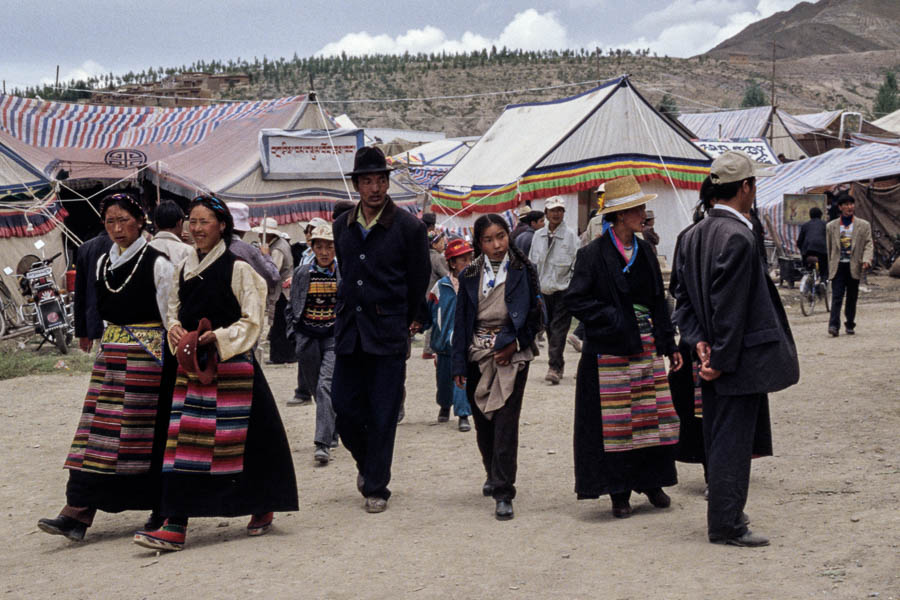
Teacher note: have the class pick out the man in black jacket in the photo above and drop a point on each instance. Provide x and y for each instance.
(88, 324)
(728, 309)
(811, 240)
(382, 255)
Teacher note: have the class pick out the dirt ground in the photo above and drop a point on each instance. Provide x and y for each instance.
(829, 499)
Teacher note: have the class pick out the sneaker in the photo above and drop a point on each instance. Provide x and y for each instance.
(575, 342)
(374, 504)
(553, 376)
(444, 415)
(65, 526)
(298, 401)
(322, 454)
(260, 524)
(464, 424)
(169, 537)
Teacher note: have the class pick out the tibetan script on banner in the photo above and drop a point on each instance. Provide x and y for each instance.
(308, 154)
(757, 149)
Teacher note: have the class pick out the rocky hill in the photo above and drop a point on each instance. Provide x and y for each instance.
(821, 28)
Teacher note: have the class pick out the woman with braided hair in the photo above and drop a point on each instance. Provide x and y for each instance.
(498, 314)
(227, 454)
(115, 459)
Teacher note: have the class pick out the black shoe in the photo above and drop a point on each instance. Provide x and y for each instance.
(833, 331)
(62, 525)
(504, 510)
(621, 510)
(444, 415)
(849, 330)
(487, 489)
(747, 540)
(154, 522)
(464, 424)
(658, 498)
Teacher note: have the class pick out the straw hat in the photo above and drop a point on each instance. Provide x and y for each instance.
(524, 209)
(322, 232)
(623, 193)
(271, 228)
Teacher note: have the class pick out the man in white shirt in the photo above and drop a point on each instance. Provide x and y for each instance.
(169, 220)
(553, 255)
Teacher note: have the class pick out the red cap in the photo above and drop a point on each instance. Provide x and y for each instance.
(457, 247)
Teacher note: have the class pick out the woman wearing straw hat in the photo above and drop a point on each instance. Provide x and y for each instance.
(625, 424)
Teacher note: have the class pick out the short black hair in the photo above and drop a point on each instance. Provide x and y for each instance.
(845, 197)
(167, 215)
(815, 213)
(340, 207)
(710, 191)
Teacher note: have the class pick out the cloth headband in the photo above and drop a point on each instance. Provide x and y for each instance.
(127, 197)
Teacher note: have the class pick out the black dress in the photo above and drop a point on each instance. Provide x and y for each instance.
(266, 482)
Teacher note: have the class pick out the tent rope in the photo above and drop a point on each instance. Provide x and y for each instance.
(333, 149)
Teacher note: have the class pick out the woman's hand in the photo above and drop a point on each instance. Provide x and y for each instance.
(460, 381)
(503, 357)
(175, 334)
(676, 361)
(207, 338)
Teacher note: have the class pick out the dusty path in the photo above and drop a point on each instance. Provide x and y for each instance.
(829, 499)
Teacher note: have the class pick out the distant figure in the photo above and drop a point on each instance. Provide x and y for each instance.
(849, 243)
(650, 235)
(811, 240)
(169, 219)
(522, 241)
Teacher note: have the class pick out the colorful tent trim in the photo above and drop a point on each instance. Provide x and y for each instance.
(86, 126)
(540, 183)
(15, 222)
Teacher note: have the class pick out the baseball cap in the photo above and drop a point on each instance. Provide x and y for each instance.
(554, 202)
(734, 165)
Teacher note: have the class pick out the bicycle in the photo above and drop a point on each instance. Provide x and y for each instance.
(10, 317)
(813, 288)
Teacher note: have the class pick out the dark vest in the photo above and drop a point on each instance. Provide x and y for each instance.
(134, 303)
(209, 295)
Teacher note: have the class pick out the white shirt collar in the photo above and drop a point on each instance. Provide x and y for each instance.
(744, 219)
(117, 257)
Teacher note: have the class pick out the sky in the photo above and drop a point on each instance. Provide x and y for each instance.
(101, 36)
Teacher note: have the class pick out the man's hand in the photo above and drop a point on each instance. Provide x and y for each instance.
(85, 344)
(504, 356)
(264, 248)
(460, 381)
(703, 351)
(866, 266)
(676, 361)
(414, 328)
(709, 374)
(175, 334)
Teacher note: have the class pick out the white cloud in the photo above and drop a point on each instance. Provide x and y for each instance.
(529, 30)
(697, 30)
(88, 68)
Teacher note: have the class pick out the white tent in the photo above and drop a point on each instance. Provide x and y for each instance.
(759, 122)
(568, 147)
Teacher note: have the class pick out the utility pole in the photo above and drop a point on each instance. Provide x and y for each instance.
(57, 78)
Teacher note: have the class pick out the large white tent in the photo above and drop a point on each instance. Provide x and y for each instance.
(568, 147)
(759, 122)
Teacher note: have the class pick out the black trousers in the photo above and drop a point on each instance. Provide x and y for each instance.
(842, 283)
(729, 428)
(498, 437)
(366, 393)
(558, 321)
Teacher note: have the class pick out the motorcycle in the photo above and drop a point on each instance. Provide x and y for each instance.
(45, 307)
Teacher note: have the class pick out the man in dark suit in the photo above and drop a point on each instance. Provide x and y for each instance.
(728, 309)
(88, 324)
(811, 240)
(382, 255)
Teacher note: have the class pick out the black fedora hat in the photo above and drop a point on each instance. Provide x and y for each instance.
(369, 160)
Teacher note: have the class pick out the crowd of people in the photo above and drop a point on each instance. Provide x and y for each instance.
(179, 419)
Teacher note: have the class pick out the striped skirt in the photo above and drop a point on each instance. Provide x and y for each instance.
(115, 432)
(635, 403)
(208, 423)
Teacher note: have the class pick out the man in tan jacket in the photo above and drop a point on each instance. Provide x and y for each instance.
(848, 240)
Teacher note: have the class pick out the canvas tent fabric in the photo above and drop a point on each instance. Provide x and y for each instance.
(228, 165)
(568, 147)
(563, 146)
(758, 122)
(890, 122)
(870, 161)
(109, 142)
(427, 164)
(28, 203)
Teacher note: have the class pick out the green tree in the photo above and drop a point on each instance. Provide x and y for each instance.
(753, 96)
(667, 106)
(887, 100)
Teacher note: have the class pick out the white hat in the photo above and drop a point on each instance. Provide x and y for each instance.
(271, 226)
(240, 212)
(317, 222)
(554, 202)
(735, 165)
(322, 232)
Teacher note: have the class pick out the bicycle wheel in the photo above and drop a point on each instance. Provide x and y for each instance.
(807, 296)
(825, 286)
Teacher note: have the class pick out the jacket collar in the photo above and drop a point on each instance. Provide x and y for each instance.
(731, 214)
(388, 214)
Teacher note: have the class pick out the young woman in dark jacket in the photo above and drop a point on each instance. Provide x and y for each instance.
(498, 315)
(625, 424)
